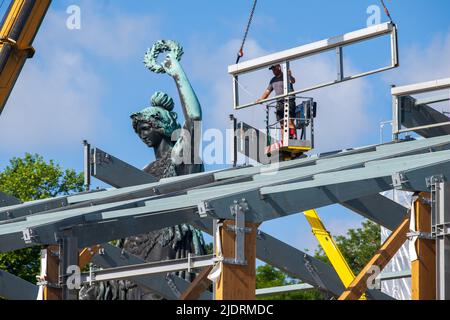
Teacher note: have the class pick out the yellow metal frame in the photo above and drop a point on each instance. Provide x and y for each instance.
(295, 149)
(330, 248)
(21, 48)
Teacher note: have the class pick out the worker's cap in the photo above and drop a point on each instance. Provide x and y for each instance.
(274, 66)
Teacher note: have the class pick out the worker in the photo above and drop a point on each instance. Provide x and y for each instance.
(277, 85)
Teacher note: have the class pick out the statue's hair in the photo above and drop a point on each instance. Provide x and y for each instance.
(160, 115)
(163, 100)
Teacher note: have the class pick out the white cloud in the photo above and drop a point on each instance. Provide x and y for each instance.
(423, 63)
(57, 99)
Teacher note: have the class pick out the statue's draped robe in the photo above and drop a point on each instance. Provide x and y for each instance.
(169, 243)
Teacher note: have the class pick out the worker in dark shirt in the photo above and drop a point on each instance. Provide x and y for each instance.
(277, 85)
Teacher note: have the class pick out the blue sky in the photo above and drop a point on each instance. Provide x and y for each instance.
(84, 84)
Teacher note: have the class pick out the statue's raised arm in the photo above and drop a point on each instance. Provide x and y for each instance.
(191, 106)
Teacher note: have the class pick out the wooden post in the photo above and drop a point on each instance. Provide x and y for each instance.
(392, 244)
(198, 286)
(423, 270)
(52, 274)
(237, 282)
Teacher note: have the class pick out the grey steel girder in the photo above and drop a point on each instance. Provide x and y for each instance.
(371, 206)
(271, 202)
(116, 172)
(113, 257)
(306, 168)
(267, 200)
(15, 288)
(7, 200)
(414, 115)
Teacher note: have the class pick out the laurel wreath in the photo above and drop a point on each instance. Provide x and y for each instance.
(161, 46)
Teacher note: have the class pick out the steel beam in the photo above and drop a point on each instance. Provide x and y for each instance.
(116, 172)
(307, 167)
(17, 211)
(283, 289)
(150, 268)
(371, 206)
(15, 288)
(312, 48)
(136, 216)
(113, 257)
(419, 117)
(422, 87)
(7, 200)
(441, 227)
(273, 202)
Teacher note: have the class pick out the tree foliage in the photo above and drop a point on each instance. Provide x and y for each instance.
(358, 246)
(32, 178)
(268, 277)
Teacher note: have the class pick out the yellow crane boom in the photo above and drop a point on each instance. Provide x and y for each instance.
(19, 27)
(331, 249)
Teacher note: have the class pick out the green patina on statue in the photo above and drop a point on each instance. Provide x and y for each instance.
(158, 128)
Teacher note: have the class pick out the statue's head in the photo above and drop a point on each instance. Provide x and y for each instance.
(157, 122)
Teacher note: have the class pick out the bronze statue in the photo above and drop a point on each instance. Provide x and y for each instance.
(176, 154)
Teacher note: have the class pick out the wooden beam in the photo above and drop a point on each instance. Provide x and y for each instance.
(423, 270)
(51, 292)
(392, 244)
(86, 255)
(237, 282)
(198, 286)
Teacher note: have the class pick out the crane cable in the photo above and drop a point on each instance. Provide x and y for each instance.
(386, 10)
(241, 50)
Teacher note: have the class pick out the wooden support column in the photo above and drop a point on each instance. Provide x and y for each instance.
(51, 265)
(237, 282)
(423, 270)
(389, 248)
(198, 286)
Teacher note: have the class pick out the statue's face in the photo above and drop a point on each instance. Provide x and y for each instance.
(150, 135)
(154, 124)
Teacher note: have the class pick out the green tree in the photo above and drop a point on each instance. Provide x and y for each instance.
(357, 246)
(268, 277)
(32, 178)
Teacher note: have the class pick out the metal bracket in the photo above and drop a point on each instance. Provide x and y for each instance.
(420, 235)
(30, 236)
(172, 285)
(238, 210)
(236, 229)
(312, 270)
(433, 180)
(398, 180)
(101, 157)
(204, 210)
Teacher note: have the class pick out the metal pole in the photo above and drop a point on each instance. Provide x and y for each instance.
(442, 219)
(340, 63)
(233, 143)
(396, 120)
(68, 258)
(87, 165)
(286, 81)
